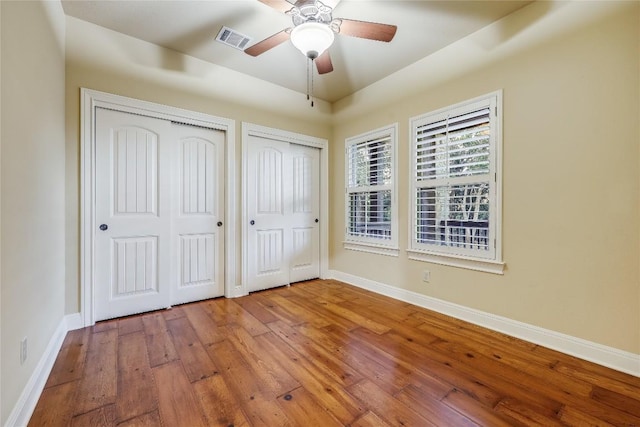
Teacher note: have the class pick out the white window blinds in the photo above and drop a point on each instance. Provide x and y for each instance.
(369, 187)
(454, 181)
(454, 147)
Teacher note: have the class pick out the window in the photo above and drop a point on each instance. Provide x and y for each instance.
(456, 185)
(371, 223)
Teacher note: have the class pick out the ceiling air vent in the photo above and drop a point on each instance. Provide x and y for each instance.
(233, 38)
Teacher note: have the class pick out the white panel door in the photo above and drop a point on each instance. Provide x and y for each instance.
(198, 213)
(282, 206)
(305, 203)
(132, 249)
(267, 174)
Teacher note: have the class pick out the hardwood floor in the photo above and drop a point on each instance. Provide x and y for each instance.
(321, 353)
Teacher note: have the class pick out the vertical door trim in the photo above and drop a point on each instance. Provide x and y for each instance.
(89, 101)
(248, 130)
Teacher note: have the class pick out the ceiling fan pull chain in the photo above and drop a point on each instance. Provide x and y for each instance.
(310, 79)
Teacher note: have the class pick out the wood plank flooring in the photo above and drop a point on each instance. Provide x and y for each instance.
(321, 353)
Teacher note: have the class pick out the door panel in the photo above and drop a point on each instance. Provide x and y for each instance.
(198, 258)
(132, 252)
(270, 174)
(198, 171)
(271, 252)
(302, 247)
(135, 262)
(135, 157)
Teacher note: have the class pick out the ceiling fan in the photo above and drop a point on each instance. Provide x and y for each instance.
(314, 28)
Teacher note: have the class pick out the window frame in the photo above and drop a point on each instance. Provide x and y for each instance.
(490, 261)
(363, 243)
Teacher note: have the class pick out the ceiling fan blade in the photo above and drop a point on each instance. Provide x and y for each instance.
(365, 30)
(282, 5)
(268, 43)
(323, 63)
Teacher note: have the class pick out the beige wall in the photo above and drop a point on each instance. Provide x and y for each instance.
(571, 175)
(151, 82)
(32, 177)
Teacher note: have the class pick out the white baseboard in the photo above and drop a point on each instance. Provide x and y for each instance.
(26, 404)
(73, 321)
(593, 352)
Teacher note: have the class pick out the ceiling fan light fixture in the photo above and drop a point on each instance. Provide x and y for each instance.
(312, 38)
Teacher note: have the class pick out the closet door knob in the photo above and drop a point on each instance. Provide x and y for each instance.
(219, 223)
(252, 222)
(317, 220)
(103, 227)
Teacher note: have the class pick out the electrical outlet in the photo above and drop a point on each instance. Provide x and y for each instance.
(426, 276)
(23, 350)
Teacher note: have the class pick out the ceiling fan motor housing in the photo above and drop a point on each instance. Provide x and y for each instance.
(312, 11)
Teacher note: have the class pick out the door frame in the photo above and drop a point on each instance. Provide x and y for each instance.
(250, 129)
(89, 101)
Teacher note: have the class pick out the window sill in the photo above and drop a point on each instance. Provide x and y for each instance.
(371, 248)
(487, 266)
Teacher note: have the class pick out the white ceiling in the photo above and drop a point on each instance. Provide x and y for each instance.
(190, 27)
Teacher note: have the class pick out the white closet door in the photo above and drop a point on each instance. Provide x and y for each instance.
(132, 240)
(282, 206)
(198, 213)
(304, 262)
(159, 214)
(268, 172)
